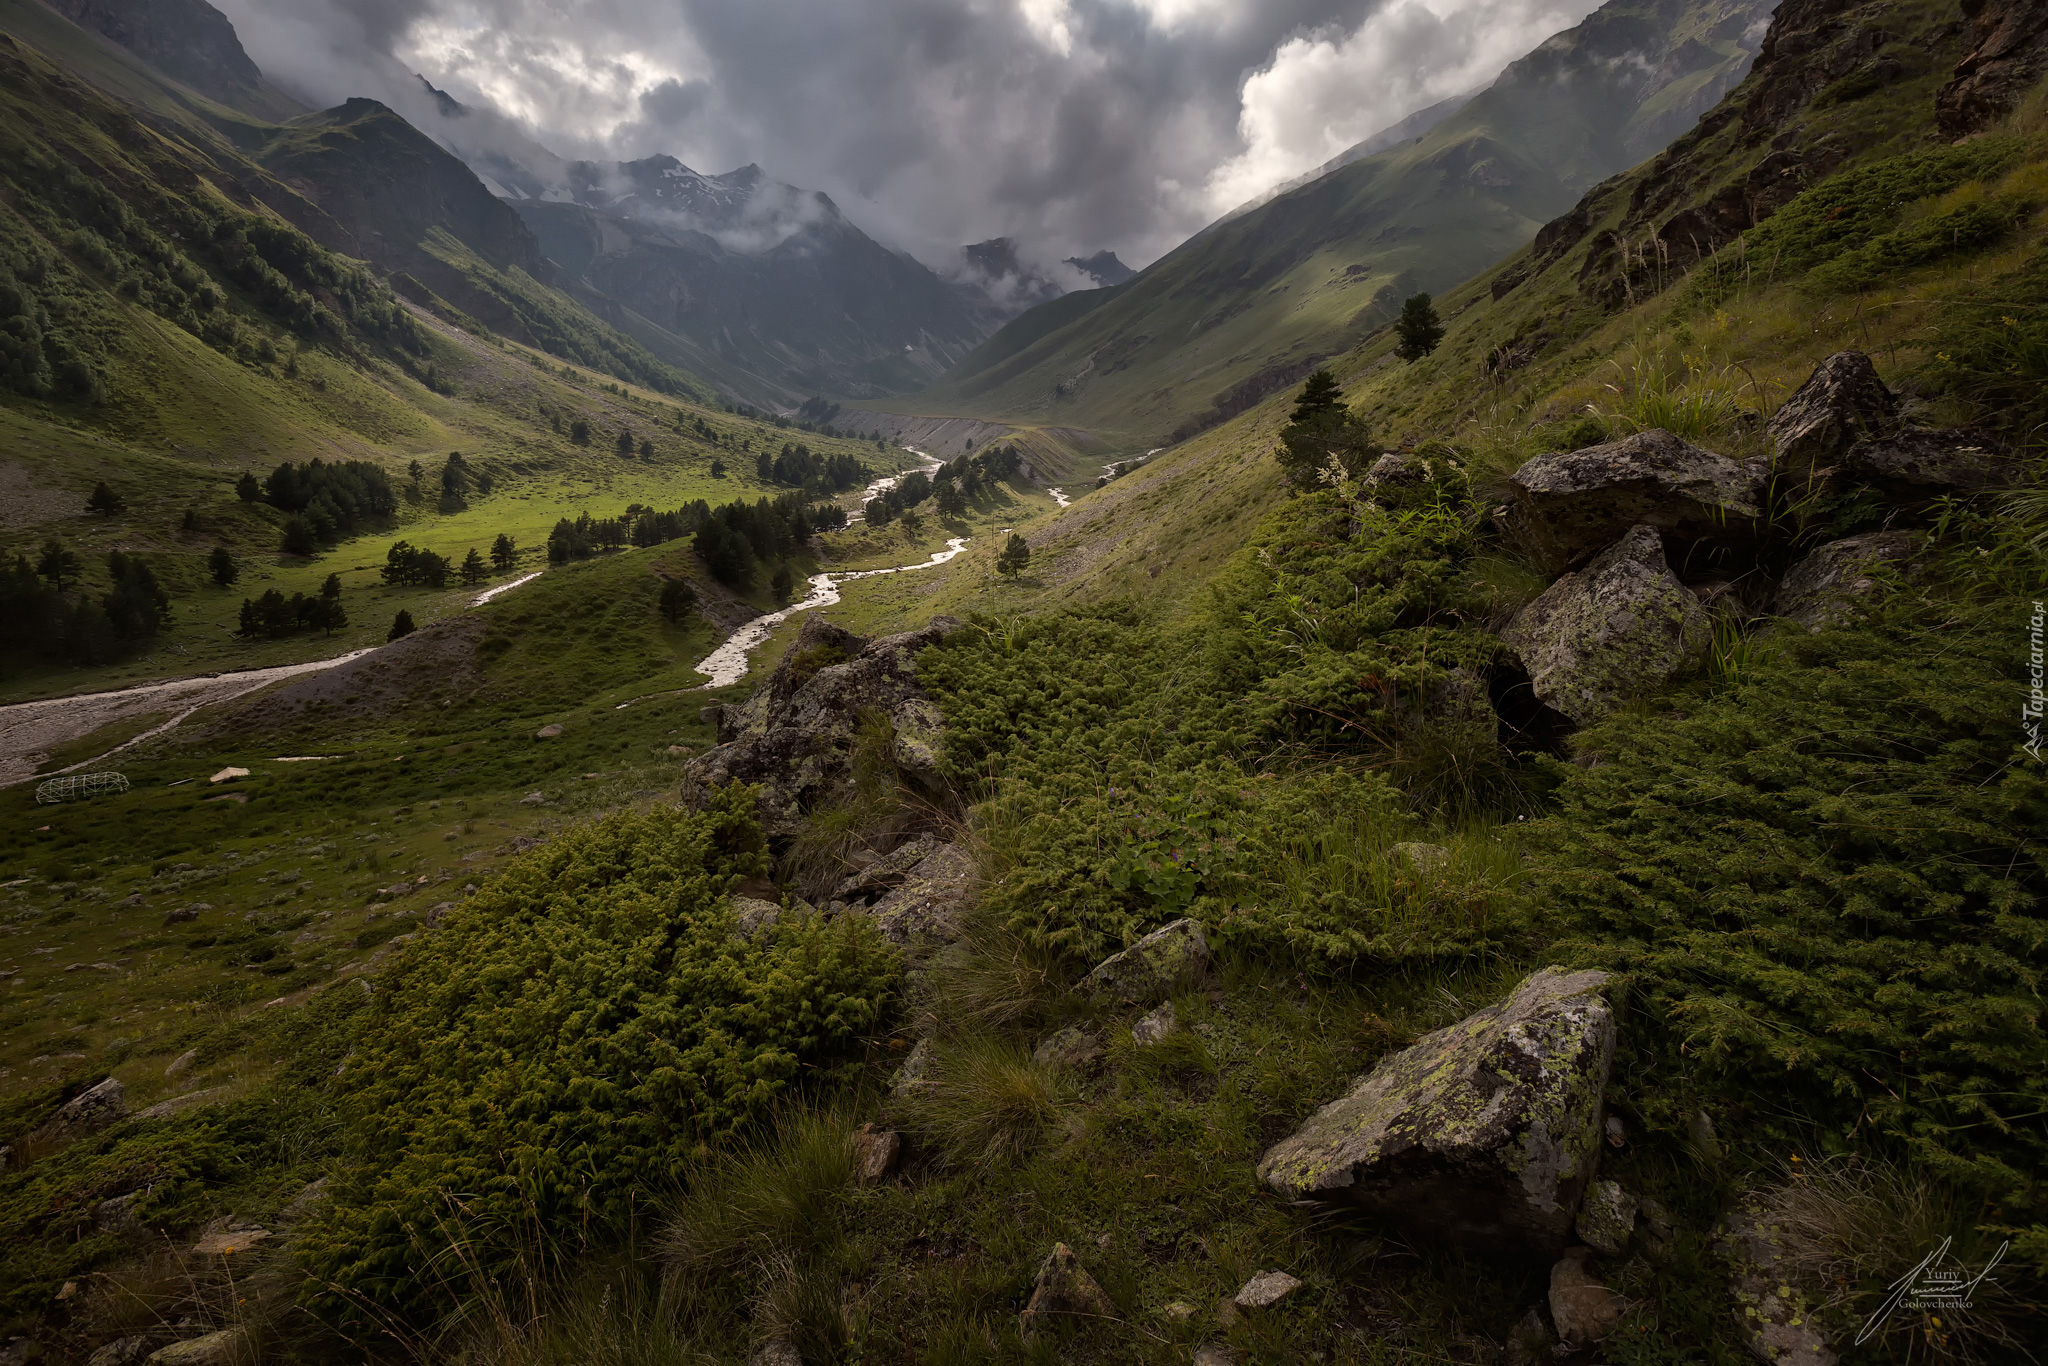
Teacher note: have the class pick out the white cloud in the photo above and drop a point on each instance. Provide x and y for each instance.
(1325, 90)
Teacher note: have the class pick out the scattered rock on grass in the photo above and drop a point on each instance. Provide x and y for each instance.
(1584, 1310)
(183, 1061)
(164, 1109)
(1422, 859)
(547, 732)
(1215, 1354)
(1265, 1290)
(776, 1352)
(1063, 1290)
(1482, 1135)
(754, 915)
(215, 1349)
(85, 1114)
(1073, 1046)
(929, 903)
(120, 1352)
(1155, 1026)
(1529, 1341)
(875, 1153)
(1151, 967)
(913, 1077)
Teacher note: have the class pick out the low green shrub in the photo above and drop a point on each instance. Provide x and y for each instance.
(569, 1039)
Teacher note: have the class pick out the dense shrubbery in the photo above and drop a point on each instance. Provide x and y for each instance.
(1828, 886)
(334, 500)
(568, 1040)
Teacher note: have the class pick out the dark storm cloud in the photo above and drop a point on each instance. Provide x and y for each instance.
(1071, 125)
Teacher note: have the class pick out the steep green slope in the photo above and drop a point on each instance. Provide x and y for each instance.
(1253, 303)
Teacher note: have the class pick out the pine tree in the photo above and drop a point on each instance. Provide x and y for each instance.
(473, 570)
(1319, 395)
(677, 598)
(105, 501)
(504, 554)
(1016, 556)
(221, 566)
(625, 445)
(1419, 328)
(1321, 430)
(401, 625)
(783, 584)
(248, 490)
(59, 563)
(297, 538)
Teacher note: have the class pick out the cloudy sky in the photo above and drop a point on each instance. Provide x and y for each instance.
(1071, 125)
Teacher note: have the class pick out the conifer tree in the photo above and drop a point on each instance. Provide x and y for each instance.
(1016, 557)
(105, 501)
(401, 625)
(504, 554)
(1419, 328)
(1322, 430)
(221, 567)
(58, 563)
(473, 570)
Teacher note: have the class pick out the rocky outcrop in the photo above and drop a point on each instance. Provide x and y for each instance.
(2008, 52)
(1151, 967)
(1826, 588)
(187, 39)
(1842, 402)
(1063, 1290)
(1777, 1320)
(1482, 1135)
(1914, 466)
(1569, 505)
(86, 1114)
(1619, 629)
(797, 734)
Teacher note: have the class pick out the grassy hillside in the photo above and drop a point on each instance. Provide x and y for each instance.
(1253, 303)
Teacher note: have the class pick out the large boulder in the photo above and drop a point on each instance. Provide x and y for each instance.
(1620, 628)
(1842, 402)
(796, 735)
(1482, 1135)
(1917, 465)
(1826, 588)
(1150, 968)
(1568, 505)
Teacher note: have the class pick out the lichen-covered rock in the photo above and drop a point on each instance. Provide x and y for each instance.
(753, 915)
(1074, 1046)
(1915, 466)
(1265, 1290)
(1583, 1308)
(1842, 402)
(1483, 1134)
(1607, 1217)
(85, 1114)
(776, 1352)
(1827, 587)
(914, 1076)
(1567, 505)
(1420, 859)
(931, 899)
(120, 1352)
(1621, 627)
(795, 736)
(1157, 1025)
(1777, 1319)
(1150, 968)
(1063, 1289)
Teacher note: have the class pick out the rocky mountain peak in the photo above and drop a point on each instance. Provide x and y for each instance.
(189, 40)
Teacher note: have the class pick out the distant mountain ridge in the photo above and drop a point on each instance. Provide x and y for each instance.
(1253, 302)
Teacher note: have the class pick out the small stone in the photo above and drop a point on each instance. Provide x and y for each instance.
(225, 1242)
(1422, 859)
(228, 775)
(70, 1288)
(1073, 1046)
(1063, 1289)
(1584, 1310)
(1617, 1135)
(437, 910)
(1607, 1216)
(120, 1352)
(1265, 1290)
(911, 1078)
(86, 1114)
(548, 732)
(117, 1214)
(532, 799)
(164, 1109)
(776, 1352)
(754, 915)
(1155, 1026)
(1214, 1354)
(182, 1062)
(215, 1349)
(875, 1153)
(1180, 1311)
(1529, 1341)
(1150, 968)
(679, 750)
(181, 915)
